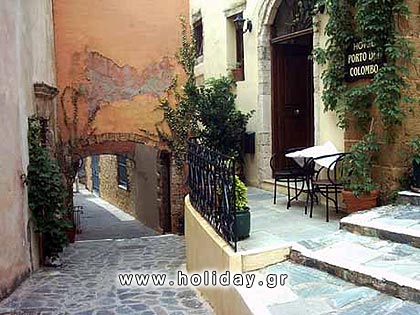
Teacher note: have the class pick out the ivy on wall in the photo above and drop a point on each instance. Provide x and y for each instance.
(375, 23)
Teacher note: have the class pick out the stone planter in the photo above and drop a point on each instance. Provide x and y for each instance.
(243, 224)
(363, 202)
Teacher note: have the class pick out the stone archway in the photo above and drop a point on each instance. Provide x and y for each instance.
(266, 12)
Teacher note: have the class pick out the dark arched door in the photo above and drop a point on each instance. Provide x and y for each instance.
(292, 80)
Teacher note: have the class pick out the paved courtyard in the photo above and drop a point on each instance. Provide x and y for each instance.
(271, 224)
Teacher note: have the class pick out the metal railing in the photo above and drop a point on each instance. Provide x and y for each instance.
(211, 180)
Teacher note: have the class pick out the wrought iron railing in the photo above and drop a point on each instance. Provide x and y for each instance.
(211, 182)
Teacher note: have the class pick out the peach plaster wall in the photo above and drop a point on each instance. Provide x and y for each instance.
(120, 56)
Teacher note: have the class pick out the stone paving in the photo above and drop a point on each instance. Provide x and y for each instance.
(87, 284)
(312, 292)
(272, 225)
(101, 220)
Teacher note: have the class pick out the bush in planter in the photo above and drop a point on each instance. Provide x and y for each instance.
(46, 194)
(223, 125)
(359, 189)
(415, 162)
(243, 216)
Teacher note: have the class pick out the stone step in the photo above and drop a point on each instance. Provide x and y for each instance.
(389, 267)
(313, 292)
(398, 223)
(409, 197)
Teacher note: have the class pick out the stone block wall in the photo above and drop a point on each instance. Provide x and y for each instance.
(108, 184)
(178, 192)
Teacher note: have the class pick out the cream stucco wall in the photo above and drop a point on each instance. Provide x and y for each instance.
(26, 32)
(255, 92)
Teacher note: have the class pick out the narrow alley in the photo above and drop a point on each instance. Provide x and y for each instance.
(111, 242)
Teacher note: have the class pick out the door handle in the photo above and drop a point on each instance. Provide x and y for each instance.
(296, 112)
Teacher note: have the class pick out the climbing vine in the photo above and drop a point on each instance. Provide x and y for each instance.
(179, 106)
(376, 24)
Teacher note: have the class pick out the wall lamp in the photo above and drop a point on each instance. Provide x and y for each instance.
(240, 22)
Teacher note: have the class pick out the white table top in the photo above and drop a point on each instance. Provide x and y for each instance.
(316, 151)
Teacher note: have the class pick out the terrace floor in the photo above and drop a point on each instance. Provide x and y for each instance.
(272, 225)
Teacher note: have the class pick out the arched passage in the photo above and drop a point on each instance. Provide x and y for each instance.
(145, 192)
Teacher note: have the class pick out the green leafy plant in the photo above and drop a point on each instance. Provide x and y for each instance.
(179, 106)
(223, 126)
(414, 145)
(376, 24)
(206, 111)
(46, 193)
(241, 198)
(358, 166)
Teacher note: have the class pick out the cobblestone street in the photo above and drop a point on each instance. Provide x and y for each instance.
(87, 281)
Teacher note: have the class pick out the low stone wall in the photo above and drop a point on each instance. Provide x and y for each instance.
(219, 256)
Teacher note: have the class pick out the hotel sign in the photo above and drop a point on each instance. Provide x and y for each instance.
(362, 61)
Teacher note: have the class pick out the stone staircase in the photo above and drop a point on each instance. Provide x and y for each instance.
(376, 253)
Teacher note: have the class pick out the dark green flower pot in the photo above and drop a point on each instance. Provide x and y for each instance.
(243, 224)
(416, 174)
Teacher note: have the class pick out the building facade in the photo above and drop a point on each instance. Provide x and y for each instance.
(27, 83)
(278, 79)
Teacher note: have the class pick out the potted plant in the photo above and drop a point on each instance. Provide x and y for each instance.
(243, 215)
(415, 161)
(238, 72)
(360, 192)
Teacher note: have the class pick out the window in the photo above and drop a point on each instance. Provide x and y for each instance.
(198, 36)
(239, 73)
(122, 172)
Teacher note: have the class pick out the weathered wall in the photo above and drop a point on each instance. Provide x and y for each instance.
(119, 55)
(255, 92)
(26, 31)
(108, 184)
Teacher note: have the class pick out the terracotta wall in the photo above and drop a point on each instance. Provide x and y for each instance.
(120, 56)
(26, 31)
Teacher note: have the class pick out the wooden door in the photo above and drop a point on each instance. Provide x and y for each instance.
(292, 114)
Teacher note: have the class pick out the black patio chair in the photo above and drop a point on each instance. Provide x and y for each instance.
(291, 174)
(326, 182)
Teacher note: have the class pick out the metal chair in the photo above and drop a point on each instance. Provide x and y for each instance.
(328, 185)
(292, 174)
